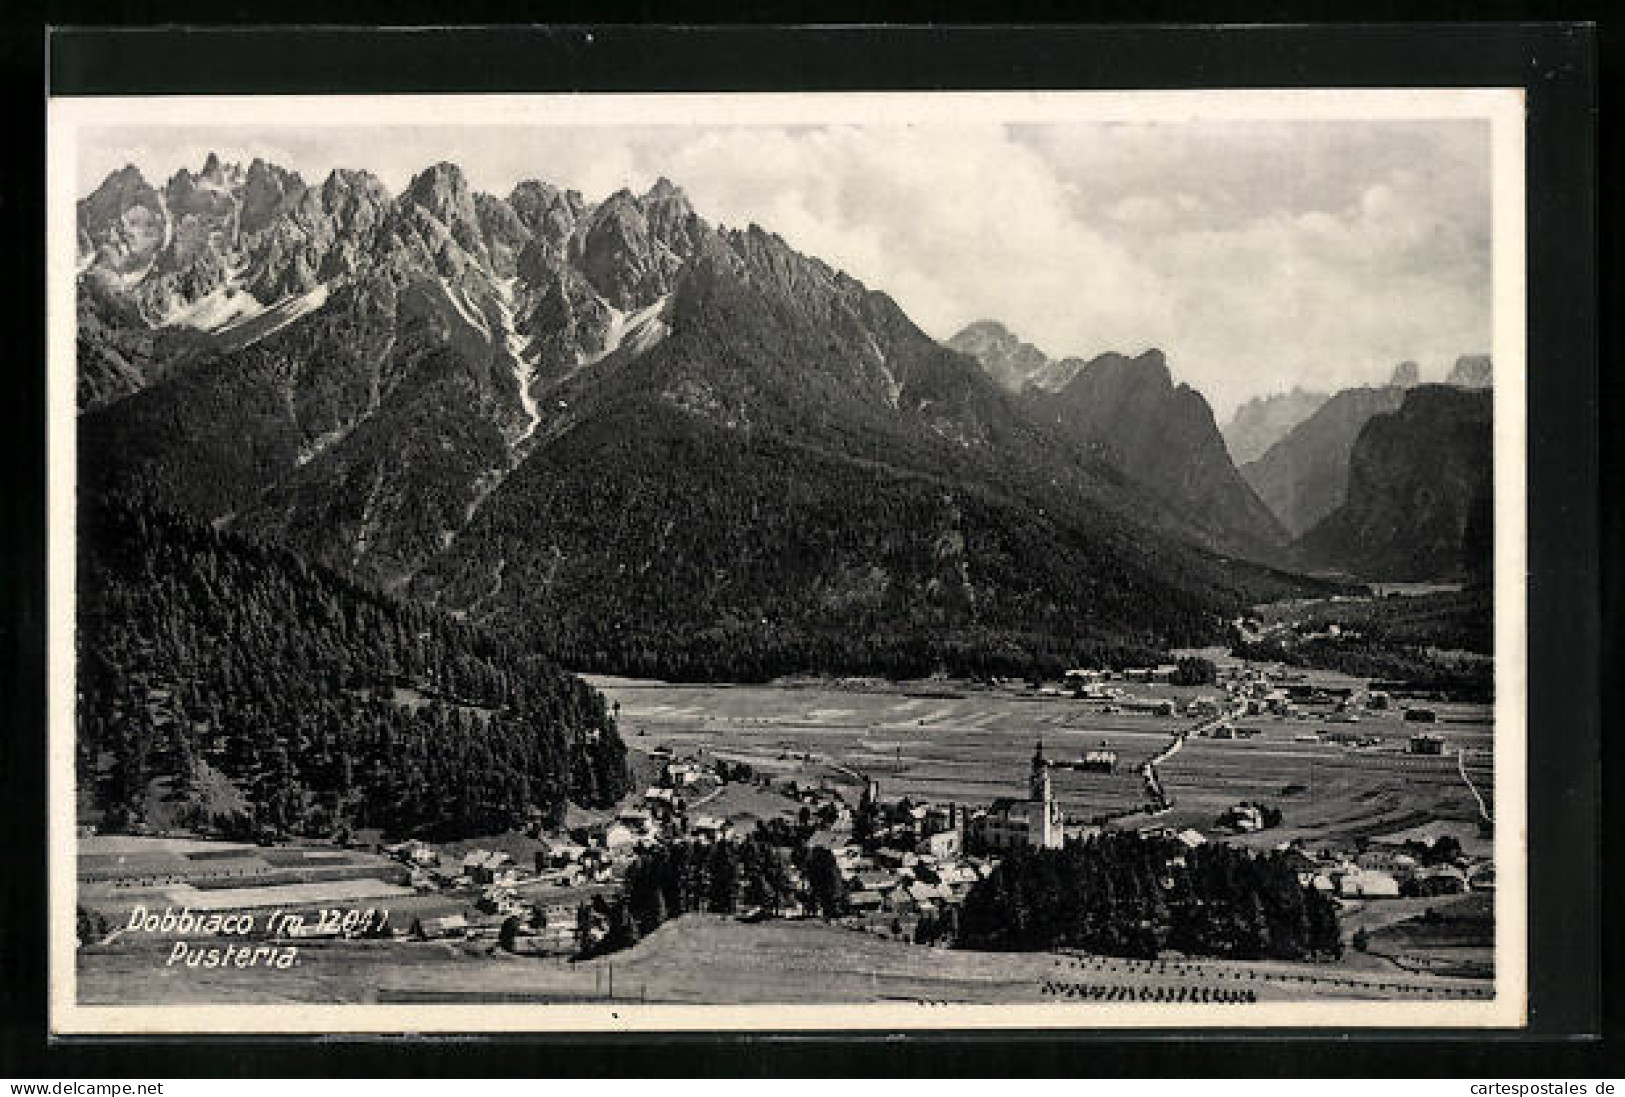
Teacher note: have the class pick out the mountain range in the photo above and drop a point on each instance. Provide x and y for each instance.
(649, 443)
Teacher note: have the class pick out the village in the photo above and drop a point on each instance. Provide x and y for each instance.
(1142, 750)
(905, 862)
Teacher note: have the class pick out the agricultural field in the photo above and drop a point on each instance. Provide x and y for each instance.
(712, 959)
(941, 742)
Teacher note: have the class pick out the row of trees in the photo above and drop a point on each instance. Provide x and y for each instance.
(758, 873)
(320, 703)
(1124, 895)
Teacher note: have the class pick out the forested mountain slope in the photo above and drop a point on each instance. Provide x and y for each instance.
(207, 661)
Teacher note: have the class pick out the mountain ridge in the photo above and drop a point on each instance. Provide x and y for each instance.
(391, 419)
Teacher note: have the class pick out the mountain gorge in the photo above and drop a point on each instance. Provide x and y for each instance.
(1304, 477)
(645, 441)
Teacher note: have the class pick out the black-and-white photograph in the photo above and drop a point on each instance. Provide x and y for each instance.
(787, 561)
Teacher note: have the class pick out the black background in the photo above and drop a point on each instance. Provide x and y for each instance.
(1571, 900)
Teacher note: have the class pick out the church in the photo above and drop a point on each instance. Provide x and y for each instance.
(1033, 823)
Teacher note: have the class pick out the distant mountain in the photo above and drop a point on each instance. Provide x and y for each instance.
(1011, 362)
(1129, 413)
(1420, 497)
(1473, 371)
(1264, 420)
(1304, 477)
(645, 441)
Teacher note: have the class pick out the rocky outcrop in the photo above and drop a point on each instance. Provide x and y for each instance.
(1011, 362)
(1473, 371)
(1420, 493)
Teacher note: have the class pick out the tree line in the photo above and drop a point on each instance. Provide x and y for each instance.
(760, 873)
(1125, 895)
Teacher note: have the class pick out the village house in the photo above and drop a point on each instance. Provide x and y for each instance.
(639, 821)
(483, 866)
(945, 843)
(1368, 884)
(449, 925)
(865, 902)
(681, 775)
(613, 836)
(709, 828)
(1387, 860)
(556, 928)
(1243, 817)
(1425, 744)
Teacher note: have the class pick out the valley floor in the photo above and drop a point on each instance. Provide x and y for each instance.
(932, 741)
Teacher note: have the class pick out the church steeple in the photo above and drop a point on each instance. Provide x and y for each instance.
(1048, 835)
(1039, 781)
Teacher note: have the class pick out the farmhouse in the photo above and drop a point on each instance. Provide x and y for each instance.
(1099, 761)
(1243, 817)
(1423, 743)
(484, 866)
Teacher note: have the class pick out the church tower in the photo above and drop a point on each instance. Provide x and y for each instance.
(1048, 834)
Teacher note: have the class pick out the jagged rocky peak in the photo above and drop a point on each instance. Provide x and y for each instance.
(215, 177)
(1405, 375)
(215, 172)
(1008, 360)
(267, 189)
(550, 213)
(1014, 364)
(632, 248)
(122, 222)
(1472, 371)
(442, 191)
(121, 188)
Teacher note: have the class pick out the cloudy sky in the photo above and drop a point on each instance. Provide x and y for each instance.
(1258, 255)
